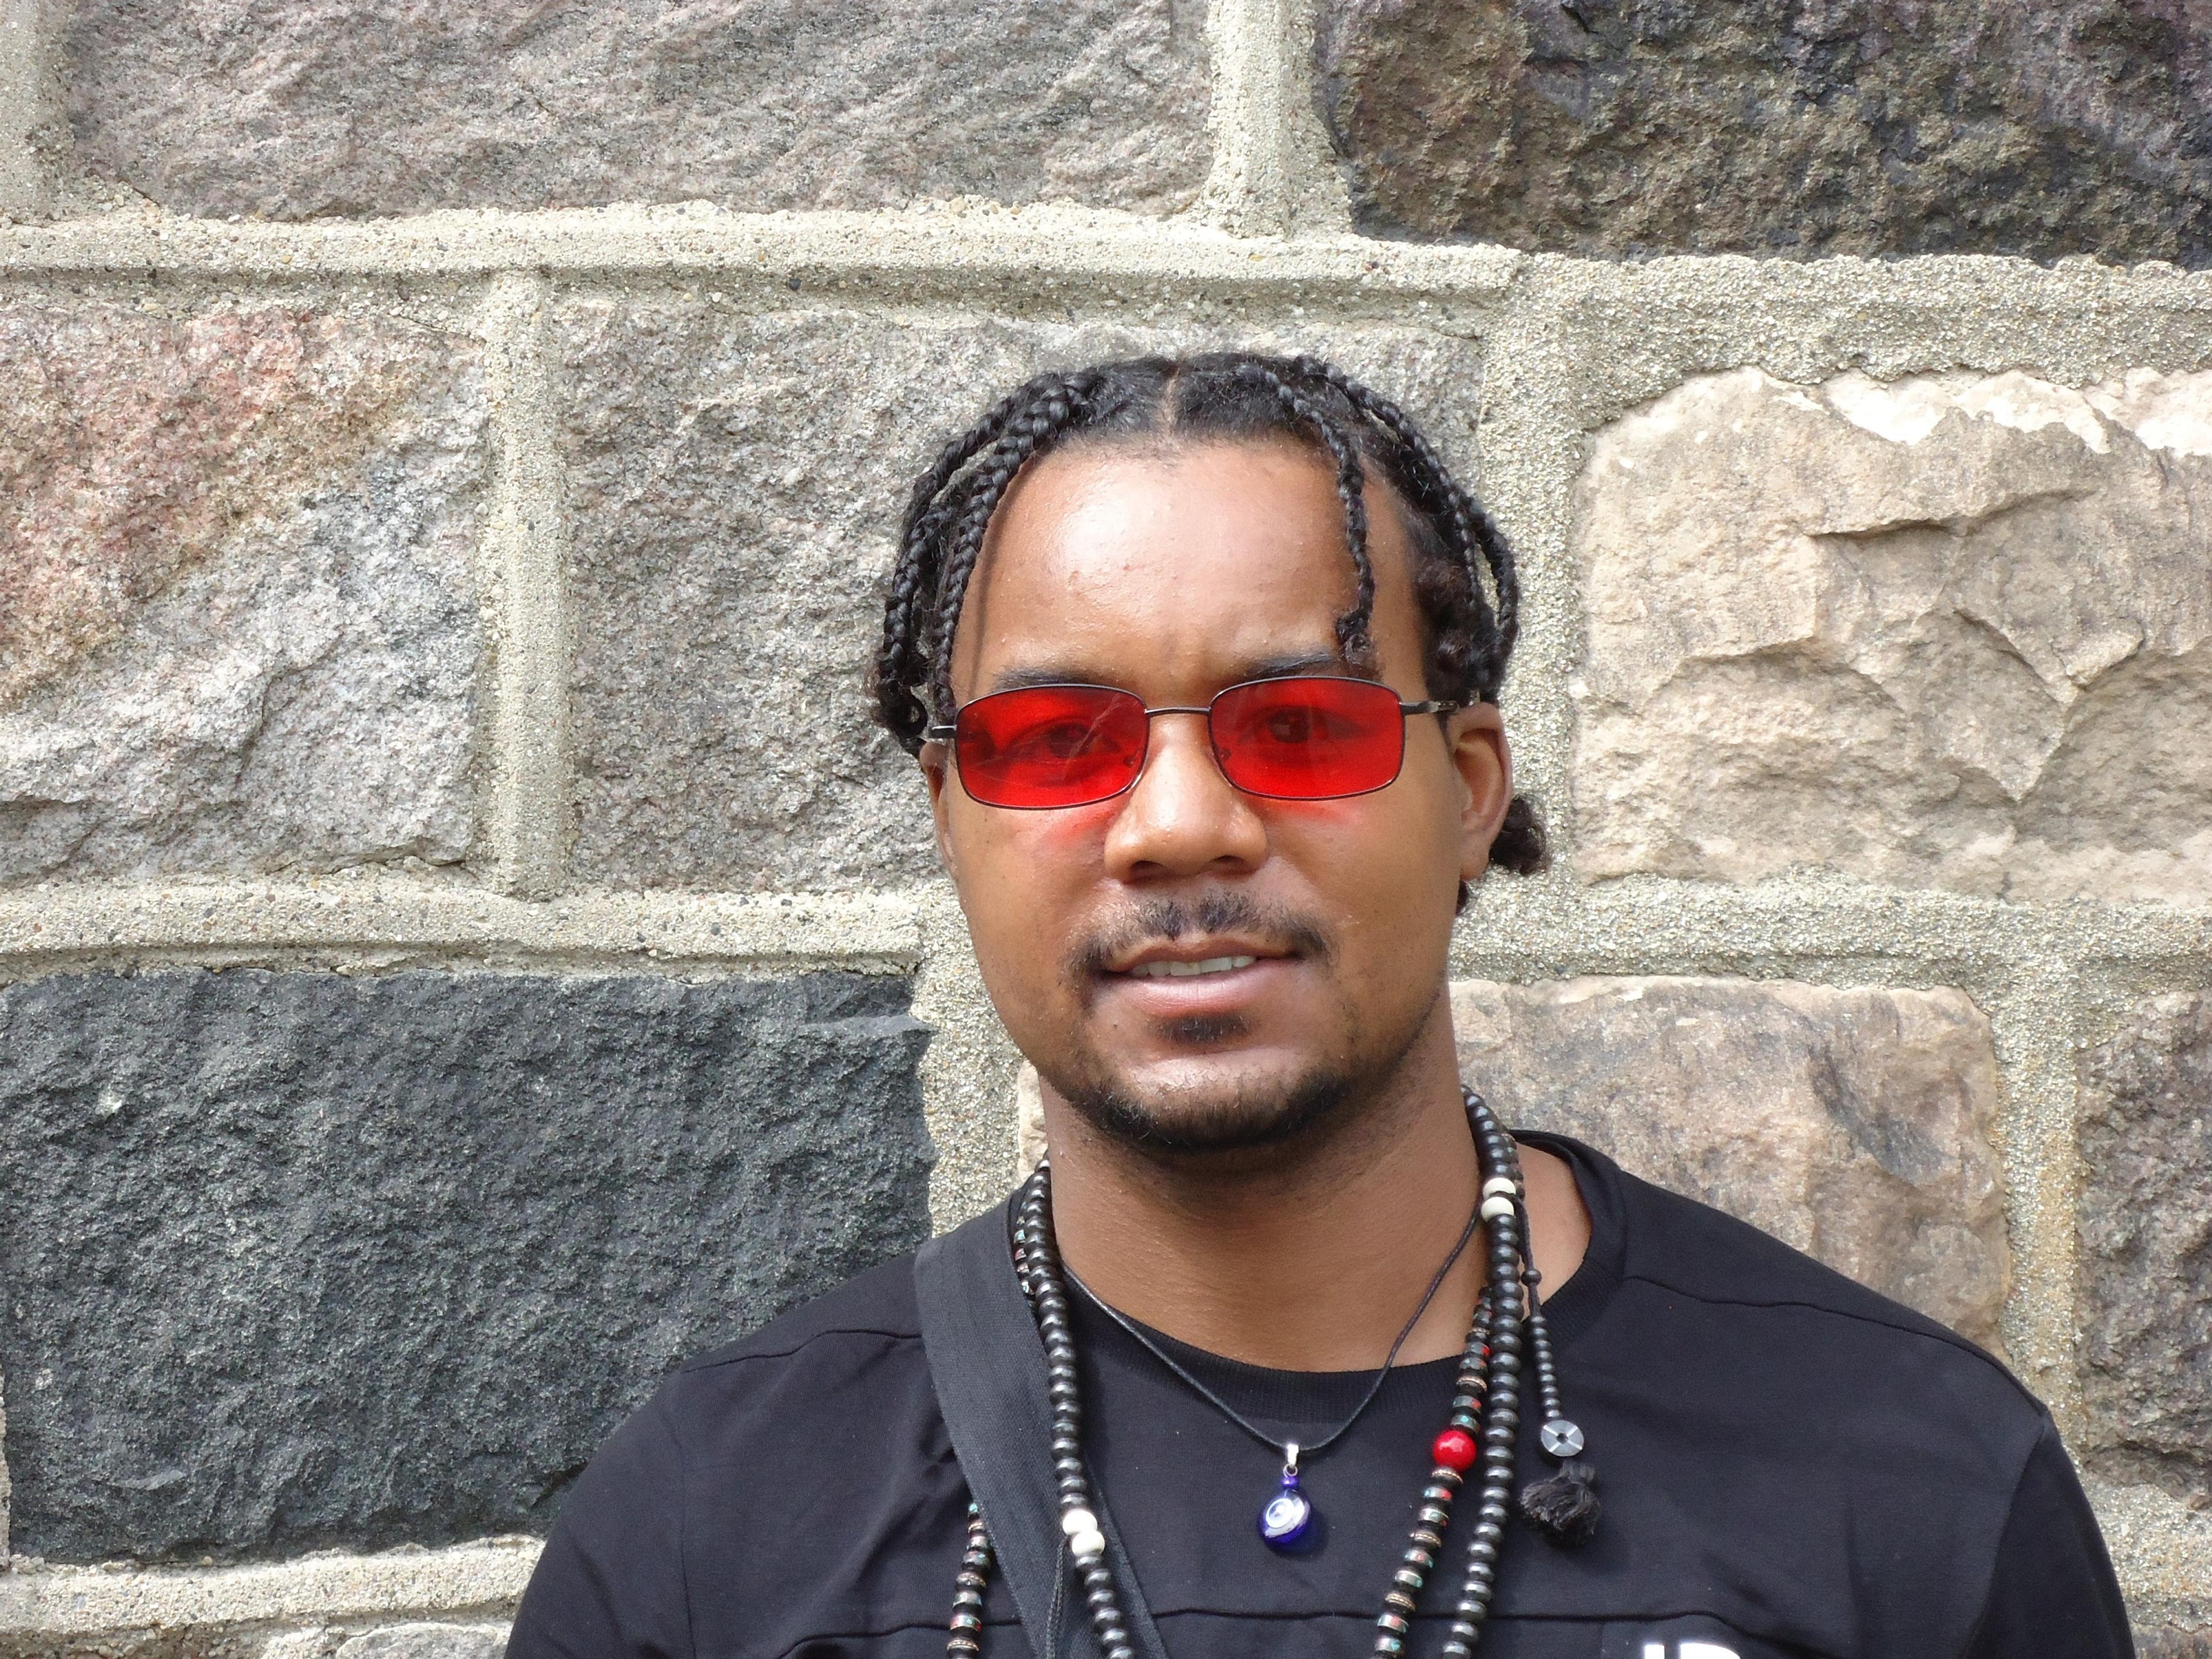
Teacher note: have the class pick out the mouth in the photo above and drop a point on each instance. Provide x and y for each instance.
(1196, 955)
(1168, 968)
(1213, 978)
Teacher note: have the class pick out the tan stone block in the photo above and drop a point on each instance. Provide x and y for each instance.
(240, 623)
(427, 1641)
(1029, 1119)
(415, 1639)
(1855, 1125)
(2146, 1129)
(1951, 632)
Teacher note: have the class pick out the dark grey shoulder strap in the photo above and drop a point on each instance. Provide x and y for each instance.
(986, 1364)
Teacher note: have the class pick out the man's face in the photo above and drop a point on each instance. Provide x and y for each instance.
(1172, 573)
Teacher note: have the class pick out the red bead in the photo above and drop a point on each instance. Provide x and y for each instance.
(1453, 1448)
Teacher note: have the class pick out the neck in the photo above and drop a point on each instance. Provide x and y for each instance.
(1307, 1259)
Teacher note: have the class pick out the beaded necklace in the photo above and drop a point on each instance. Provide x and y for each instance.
(1483, 1428)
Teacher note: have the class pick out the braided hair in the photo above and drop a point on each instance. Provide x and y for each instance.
(1238, 396)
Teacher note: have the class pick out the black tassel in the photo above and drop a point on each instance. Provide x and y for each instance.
(1565, 1507)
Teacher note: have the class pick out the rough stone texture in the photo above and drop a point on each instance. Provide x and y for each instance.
(1855, 1125)
(302, 1259)
(428, 1642)
(1951, 632)
(233, 1609)
(238, 617)
(6, 1491)
(1030, 1146)
(2173, 1644)
(296, 108)
(2036, 127)
(2146, 1221)
(736, 483)
(408, 1641)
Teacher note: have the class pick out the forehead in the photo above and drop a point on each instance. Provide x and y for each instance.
(1169, 569)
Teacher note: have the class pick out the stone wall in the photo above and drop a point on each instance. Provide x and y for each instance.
(462, 946)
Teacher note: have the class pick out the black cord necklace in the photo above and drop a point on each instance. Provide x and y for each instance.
(1286, 1519)
(1483, 1427)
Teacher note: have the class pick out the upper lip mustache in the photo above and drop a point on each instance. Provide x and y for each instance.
(1187, 948)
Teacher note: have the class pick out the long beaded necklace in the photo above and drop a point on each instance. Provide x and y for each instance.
(1483, 1428)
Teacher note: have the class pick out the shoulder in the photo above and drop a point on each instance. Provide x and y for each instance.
(855, 1350)
(815, 1438)
(1808, 1364)
(1689, 1249)
(814, 1399)
(874, 1307)
(1759, 1417)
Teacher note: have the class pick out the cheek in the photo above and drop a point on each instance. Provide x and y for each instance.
(1384, 867)
(1023, 872)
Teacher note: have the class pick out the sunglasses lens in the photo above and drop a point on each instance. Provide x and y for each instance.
(1050, 746)
(1309, 738)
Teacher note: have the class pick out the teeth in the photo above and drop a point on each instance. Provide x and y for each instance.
(1185, 969)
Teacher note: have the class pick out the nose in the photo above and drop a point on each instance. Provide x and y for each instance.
(1182, 818)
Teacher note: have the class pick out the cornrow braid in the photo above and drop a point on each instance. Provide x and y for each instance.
(1474, 537)
(1477, 672)
(1353, 636)
(1056, 407)
(1235, 396)
(914, 568)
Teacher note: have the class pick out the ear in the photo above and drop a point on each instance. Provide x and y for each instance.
(937, 773)
(1485, 766)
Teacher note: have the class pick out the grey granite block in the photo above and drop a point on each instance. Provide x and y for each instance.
(299, 1258)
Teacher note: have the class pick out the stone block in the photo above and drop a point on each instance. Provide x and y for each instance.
(2145, 1314)
(735, 483)
(406, 1641)
(307, 108)
(1884, 126)
(428, 1642)
(1854, 1125)
(240, 626)
(2171, 1644)
(302, 1259)
(1950, 632)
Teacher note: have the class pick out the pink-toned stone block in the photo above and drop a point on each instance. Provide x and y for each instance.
(240, 623)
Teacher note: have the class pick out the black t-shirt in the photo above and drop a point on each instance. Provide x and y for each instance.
(1789, 1465)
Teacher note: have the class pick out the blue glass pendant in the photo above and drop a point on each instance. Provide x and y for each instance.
(1289, 1515)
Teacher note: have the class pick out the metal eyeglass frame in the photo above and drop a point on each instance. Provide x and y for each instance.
(947, 733)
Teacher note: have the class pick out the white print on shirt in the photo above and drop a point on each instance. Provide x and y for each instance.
(1689, 1650)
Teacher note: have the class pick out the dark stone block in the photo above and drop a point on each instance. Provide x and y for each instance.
(299, 1258)
(2033, 127)
(2146, 1119)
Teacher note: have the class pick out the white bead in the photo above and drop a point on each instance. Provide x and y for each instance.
(1088, 1546)
(1504, 1184)
(1075, 1522)
(1497, 1209)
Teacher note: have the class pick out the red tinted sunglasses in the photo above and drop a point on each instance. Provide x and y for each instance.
(1300, 738)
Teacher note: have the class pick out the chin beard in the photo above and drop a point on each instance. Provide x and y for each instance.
(1244, 1117)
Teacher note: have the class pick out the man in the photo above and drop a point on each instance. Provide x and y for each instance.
(1200, 661)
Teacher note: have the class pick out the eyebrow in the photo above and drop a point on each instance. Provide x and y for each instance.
(1266, 668)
